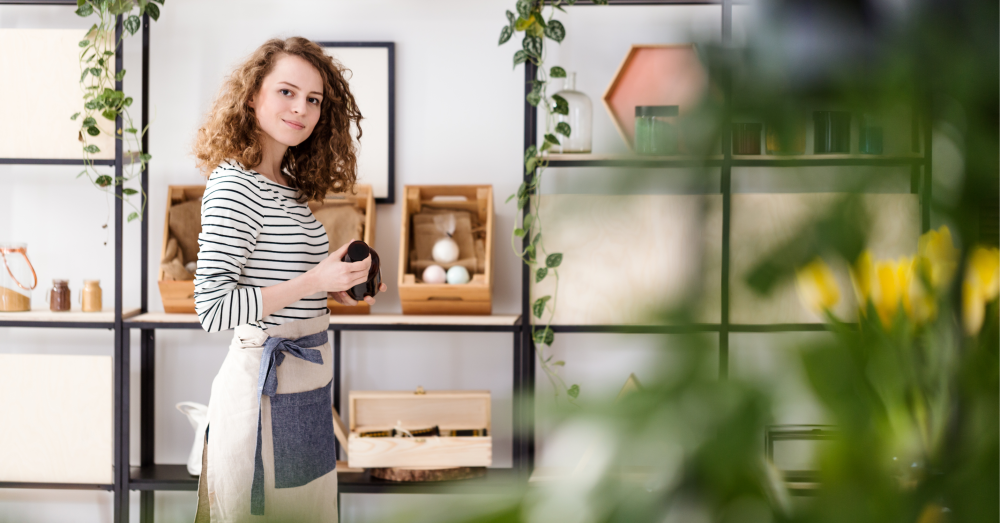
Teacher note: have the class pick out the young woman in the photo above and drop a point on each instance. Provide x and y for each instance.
(278, 135)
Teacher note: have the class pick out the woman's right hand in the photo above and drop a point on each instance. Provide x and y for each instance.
(334, 275)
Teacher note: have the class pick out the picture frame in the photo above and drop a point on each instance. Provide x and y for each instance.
(372, 78)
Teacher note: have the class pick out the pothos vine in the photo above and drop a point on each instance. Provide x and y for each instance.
(102, 102)
(536, 26)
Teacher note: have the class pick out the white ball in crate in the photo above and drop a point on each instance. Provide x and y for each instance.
(445, 251)
(434, 274)
(458, 275)
(191, 267)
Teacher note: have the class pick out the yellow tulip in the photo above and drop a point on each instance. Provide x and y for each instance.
(937, 257)
(981, 286)
(862, 274)
(817, 287)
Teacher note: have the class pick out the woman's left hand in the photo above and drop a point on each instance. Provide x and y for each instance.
(343, 299)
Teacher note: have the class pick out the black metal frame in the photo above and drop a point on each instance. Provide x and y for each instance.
(149, 476)
(391, 46)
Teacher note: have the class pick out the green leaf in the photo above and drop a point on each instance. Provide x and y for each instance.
(509, 198)
(553, 260)
(511, 19)
(159, 1)
(557, 72)
(532, 45)
(522, 190)
(530, 166)
(539, 19)
(93, 104)
(75, 116)
(524, 8)
(108, 53)
(555, 30)
(536, 31)
(128, 100)
(530, 253)
(541, 273)
(120, 75)
(83, 43)
(89, 121)
(529, 153)
(505, 34)
(562, 106)
(93, 131)
(523, 24)
(132, 216)
(537, 237)
(96, 71)
(520, 57)
(145, 157)
(533, 98)
(519, 232)
(522, 201)
(85, 10)
(84, 74)
(153, 10)
(574, 391)
(559, 363)
(552, 139)
(545, 336)
(528, 220)
(563, 129)
(538, 308)
(129, 192)
(103, 180)
(83, 172)
(110, 114)
(132, 24)
(131, 130)
(92, 149)
(546, 146)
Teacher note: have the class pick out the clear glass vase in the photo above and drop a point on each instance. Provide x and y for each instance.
(580, 117)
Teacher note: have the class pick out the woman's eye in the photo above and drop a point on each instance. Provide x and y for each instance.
(285, 92)
(314, 101)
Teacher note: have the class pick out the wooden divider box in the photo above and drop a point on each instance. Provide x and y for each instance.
(178, 295)
(448, 410)
(363, 200)
(474, 297)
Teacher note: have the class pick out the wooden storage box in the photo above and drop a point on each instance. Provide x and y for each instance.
(448, 410)
(474, 297)
(177, 295)
(363, 200)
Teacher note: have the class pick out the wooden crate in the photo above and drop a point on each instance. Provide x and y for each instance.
(177, 296)
(475, 297)
(362, 199)
(449, 410)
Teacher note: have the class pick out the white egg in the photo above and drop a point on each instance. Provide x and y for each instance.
(458, 275)
(434, 274)
(191, 267)
(445, 251)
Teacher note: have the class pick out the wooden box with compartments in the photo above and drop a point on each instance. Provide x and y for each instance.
(419, 430)
(469, 208)
(347, 217)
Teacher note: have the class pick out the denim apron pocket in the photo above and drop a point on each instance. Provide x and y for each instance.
(302, 435)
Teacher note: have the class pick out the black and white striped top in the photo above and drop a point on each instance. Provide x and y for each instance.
(254, 234)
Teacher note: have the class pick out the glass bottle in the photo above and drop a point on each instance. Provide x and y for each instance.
(579, 119)
(90, 296)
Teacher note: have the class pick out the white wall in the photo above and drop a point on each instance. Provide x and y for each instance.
(458, 120)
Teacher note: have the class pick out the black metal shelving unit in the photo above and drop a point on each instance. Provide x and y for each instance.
(919, 161)
(115, 322)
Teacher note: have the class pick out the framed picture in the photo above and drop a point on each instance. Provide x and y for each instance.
(372, 79)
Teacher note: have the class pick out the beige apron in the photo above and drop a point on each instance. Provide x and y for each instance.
(232, 435)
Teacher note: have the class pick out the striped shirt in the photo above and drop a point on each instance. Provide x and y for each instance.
(254, 234)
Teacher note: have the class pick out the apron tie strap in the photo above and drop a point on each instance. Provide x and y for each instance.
(267, 383)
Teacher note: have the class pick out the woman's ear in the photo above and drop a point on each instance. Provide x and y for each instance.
(250, 102)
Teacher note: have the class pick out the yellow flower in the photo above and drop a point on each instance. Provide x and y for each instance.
(887, 285)
(937, 257)
(981, 286)
(817, 287)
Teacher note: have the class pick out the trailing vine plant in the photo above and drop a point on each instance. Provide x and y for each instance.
(102, 103)
(532, 20)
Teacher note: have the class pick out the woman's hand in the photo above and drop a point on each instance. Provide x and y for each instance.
(333, 275)
(343, 299)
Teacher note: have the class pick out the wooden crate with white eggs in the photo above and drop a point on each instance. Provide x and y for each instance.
(446, 249)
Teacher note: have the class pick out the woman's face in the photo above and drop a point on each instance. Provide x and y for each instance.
(288, 103)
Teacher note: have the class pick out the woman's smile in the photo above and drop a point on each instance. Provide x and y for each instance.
(294, 125)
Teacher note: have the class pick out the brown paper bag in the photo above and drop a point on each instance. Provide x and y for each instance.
(343, 223)
(185, 225)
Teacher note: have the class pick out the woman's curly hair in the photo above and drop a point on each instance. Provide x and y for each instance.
(326, 161)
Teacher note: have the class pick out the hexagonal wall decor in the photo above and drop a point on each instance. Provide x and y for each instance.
(654, 75)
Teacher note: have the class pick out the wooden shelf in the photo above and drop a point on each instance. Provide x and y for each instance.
(364, 322)
(629, 160)
(805, 160)
(69, 319)
(176, 477)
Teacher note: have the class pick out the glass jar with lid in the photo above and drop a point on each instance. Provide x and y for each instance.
(656, 129)
(579, 119)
